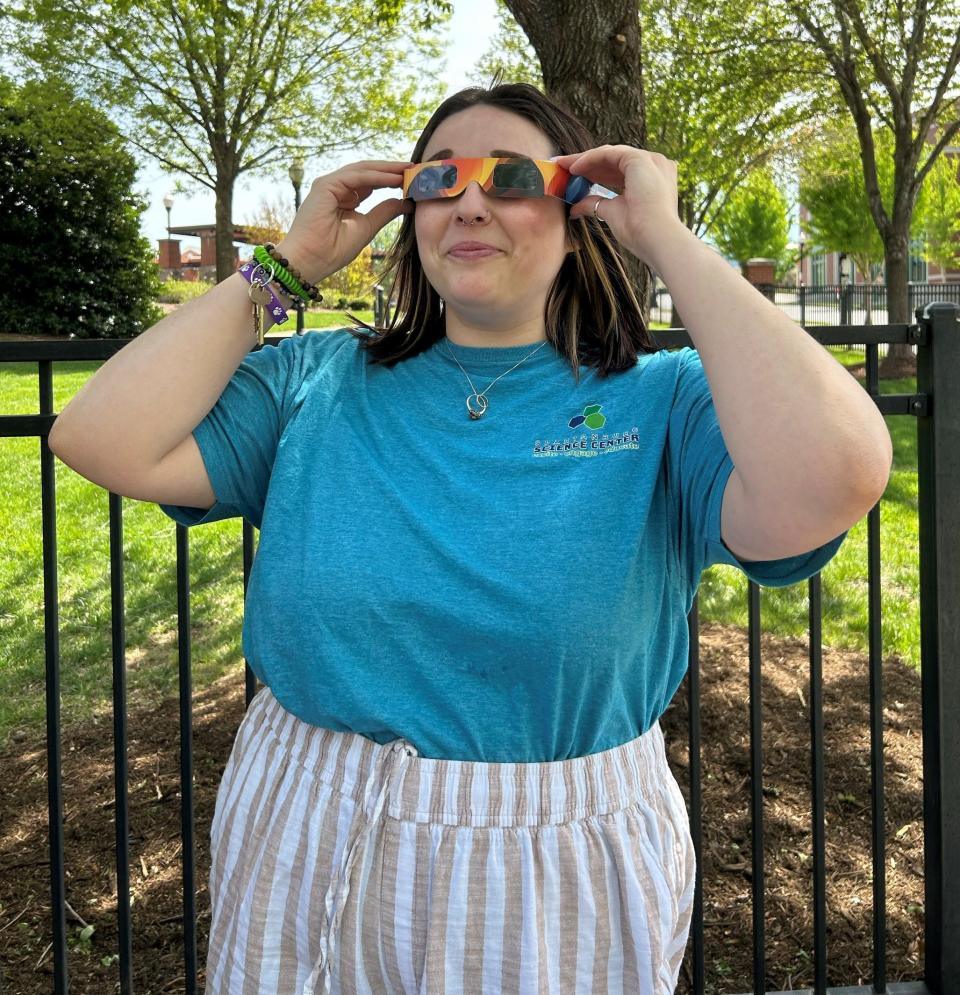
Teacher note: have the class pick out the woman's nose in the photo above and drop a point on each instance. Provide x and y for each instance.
(472, 203)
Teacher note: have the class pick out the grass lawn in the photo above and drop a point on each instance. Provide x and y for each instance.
(217, 575)
(321, 319)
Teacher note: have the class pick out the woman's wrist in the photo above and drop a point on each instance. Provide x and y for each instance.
(298, 259)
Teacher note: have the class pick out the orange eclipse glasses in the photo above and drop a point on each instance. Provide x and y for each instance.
(505, 177)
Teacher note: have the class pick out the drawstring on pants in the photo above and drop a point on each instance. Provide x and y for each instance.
(336, 897)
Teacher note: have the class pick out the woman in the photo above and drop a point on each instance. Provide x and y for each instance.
(481, 532)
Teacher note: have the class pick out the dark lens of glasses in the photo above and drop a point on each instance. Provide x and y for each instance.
(517, 179)
(431, 180)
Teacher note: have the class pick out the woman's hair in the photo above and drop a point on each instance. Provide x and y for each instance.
(592, 313)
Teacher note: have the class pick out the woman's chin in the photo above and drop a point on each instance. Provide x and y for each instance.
(472, 303)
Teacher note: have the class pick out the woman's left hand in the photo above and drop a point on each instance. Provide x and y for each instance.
(646, 187)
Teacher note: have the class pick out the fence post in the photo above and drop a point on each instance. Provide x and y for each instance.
(938, 456)
(379, 319)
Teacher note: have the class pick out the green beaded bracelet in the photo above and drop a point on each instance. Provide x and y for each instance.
(283, 276)
(311, 288)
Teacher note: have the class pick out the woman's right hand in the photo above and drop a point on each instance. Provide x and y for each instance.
(328, 231)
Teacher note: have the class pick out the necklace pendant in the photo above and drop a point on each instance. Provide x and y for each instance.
(476, 412)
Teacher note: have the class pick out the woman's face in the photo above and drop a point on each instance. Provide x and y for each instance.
(528, 233)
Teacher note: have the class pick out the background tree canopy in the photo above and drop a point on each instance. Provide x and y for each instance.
(72, 258)
(755, 221)
(212, 89)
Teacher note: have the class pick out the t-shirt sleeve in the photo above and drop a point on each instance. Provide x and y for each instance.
(699, 467)
(238, 438)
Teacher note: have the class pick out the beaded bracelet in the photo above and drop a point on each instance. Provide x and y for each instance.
(267, 255)
(311, 288)
(280, 273)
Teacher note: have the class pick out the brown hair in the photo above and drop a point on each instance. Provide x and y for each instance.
(592, 314)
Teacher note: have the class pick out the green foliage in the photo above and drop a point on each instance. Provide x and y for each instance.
(716, 105)
(195, 93)
(384, 239)
(510, 55)
(713, 105)
(938, 214)
(72, 259)
(80, 940)
(833, 189)
(354, 280)
(178, 291)
(754, 221)
(212, 89)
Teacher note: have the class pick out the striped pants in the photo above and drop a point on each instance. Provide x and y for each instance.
(342, 866)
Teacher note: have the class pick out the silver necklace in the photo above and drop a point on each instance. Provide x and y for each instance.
(479, 397)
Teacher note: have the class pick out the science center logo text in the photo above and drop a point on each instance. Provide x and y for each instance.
(588, 445)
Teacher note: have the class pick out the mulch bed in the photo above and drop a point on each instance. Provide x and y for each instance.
(26, 960)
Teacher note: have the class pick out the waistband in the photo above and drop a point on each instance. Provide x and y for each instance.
(471, 793)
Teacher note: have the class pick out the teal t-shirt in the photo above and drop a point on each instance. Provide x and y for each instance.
(509, 589)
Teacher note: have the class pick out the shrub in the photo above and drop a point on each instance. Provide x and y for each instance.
(70, 238)
(177, 291)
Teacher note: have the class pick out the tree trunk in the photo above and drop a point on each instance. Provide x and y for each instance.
(591, 61)
(900, 360)
(224, 215)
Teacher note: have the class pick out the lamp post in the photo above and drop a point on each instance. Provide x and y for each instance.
(295, 172)
(168, 203)
(844, 273)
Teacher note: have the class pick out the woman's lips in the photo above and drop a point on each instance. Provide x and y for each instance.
(472, 253)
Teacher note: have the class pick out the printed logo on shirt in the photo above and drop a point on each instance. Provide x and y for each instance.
(588, 445)
(590, 417)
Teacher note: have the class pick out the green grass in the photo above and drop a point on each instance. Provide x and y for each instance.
(216, 576)
(322, 319)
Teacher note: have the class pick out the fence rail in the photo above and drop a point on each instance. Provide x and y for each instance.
(833, 304)
(936, 408)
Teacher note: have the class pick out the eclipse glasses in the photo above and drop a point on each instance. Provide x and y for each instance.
(497, 177)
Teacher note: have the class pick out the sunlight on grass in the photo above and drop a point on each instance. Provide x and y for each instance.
(784, 610)
(217, 577)
(323, 319)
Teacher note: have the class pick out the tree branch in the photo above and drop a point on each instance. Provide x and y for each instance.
(938, 148)
(176, 167)
(852, 10)
(913, 49)
(949, 69)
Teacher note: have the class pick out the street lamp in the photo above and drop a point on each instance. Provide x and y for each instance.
(801, 262)
(295, 172)
(168, 203)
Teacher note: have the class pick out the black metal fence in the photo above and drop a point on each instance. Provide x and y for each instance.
(833, 304)
(936, 408)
